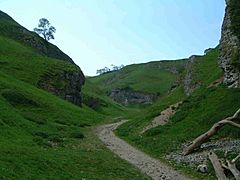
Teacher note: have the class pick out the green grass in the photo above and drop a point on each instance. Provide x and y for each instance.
(154, 77)
(206, 69)
(195, 116)
(43, 137)
(198, 113)
(12, 30)
(25, 64)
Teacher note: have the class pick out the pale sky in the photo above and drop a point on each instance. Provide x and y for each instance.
(98, 33)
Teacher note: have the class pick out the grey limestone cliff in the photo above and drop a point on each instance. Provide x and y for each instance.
(229, 58)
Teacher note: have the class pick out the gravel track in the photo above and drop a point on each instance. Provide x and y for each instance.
(148, 165)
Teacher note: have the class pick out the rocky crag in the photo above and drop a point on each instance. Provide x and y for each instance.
(189, 84)
(127, 97)
(62, 82)
(229, 59)
(66, 85)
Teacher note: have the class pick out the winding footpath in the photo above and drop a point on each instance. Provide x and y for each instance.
(148, 165)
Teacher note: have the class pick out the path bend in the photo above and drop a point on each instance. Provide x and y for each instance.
(148, 165)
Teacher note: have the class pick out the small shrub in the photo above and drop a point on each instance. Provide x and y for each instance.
(77, 135)
(41, 134)
(56, 138)
(62, 122)
(15, 98)
(41, 142)
(38, 120)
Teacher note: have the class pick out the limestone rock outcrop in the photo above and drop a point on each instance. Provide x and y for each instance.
(229, 58)
(127, 97)
(66, 85)
(189, 84)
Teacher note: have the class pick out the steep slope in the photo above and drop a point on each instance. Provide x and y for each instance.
(198, 73)
(28, 57)
(140, 83)
(41, 135)
(204, 106)
(11, 29)
(230, 44)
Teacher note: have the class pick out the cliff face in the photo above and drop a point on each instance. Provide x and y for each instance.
(66, 85)
(189, 84)
(229, 59)
(129, 97)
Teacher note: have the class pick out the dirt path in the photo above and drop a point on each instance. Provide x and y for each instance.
(150, 166)
(163, 118)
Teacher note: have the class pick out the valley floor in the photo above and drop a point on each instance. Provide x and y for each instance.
(148, 165)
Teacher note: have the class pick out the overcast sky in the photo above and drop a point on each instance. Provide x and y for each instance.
(98, 33)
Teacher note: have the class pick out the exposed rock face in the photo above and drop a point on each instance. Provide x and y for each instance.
(229, 59)
(66, 85)
(127, 97)
(188, 82)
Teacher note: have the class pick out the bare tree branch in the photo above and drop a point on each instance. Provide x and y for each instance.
(211, 132)
(217, 166)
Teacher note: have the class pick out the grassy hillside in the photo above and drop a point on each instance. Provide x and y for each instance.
(206, 70)
(12, 30)
(198, 113)
(153, 77)
(25, 64)
(45, 137)
(42, 136)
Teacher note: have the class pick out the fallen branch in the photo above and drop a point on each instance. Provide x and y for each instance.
(214, 129)
(236, 158)
(231, 165)
(217, 166)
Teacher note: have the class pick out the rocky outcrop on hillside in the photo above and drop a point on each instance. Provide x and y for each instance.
(188, 81)
(229, 59)
(127, 97)
(66, 85)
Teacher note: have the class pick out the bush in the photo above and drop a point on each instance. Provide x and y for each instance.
(15, 98)
(77, 135)
(56, 138)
